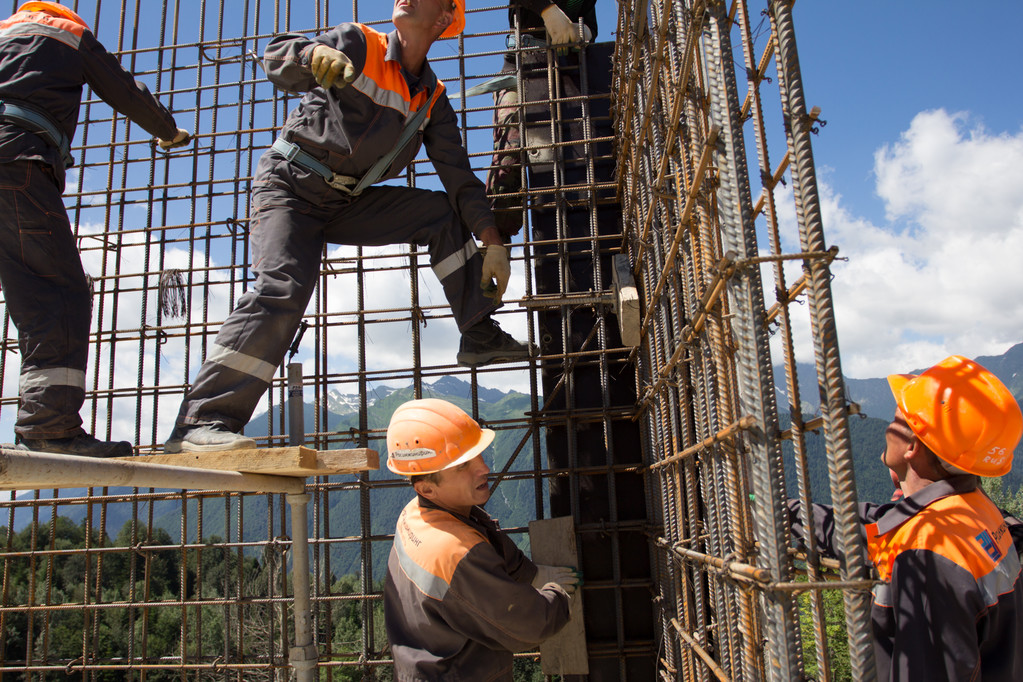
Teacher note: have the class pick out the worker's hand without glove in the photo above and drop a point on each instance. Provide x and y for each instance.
(559, 27)
(565, 576)
(327, 64)
(180, 140)
(495, 268)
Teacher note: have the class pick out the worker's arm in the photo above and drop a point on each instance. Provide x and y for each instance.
(288, 59)
(120, 90)
(465, 191)
(936, 612)
(487, 604)
(824, 524)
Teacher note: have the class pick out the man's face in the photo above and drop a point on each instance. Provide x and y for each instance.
(423, 14)
(898, 438)
(463, 486)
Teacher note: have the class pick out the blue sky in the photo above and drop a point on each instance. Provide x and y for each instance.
(920, 164)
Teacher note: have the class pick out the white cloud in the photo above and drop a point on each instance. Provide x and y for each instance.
(943, 276)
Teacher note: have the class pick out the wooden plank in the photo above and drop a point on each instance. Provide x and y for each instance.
(298, 461)
(553, 544)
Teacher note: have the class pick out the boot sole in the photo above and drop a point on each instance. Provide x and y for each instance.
(184, 446)
(478, 359)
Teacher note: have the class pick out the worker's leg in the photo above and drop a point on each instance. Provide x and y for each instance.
(505, 174)
(286, 235)
(48, 298)
(390, 215)
(396, 215)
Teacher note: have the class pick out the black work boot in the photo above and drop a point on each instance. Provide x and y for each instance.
(206, 438)
(485, 343)
(82, 445)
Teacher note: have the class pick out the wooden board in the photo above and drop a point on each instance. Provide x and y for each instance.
(296, 461)
(553, 544)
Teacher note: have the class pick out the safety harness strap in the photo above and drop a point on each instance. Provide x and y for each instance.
(36, 122)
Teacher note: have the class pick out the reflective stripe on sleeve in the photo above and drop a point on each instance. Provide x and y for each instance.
(1001, 579)
(430, 585)
(53, 376)
(241, 362)
(455, 261)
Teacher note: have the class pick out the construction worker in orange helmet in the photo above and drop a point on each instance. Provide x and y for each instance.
(950, 602)
(460, 597)
(47, 55)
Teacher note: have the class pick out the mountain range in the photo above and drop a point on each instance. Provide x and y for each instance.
(342, 526)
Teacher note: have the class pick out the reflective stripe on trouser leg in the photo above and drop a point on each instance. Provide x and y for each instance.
(286, 248)
(47, 296)
(54, 376)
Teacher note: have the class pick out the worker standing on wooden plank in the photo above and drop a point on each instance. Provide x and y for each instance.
(950, 602)
(459, 596)
(371, 100)
(47, 53)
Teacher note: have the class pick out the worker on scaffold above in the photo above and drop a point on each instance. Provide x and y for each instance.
(371, 100)
(540, 23)
(47, 53)
(459, 596)
(950, 604)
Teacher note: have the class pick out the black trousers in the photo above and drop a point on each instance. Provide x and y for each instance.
(47, 296)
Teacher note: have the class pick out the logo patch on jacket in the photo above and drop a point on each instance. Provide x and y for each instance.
(989, 545)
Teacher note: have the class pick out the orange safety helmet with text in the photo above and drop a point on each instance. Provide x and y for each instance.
(963, 413)
(53, 8)
(457, 22)
(430, 435)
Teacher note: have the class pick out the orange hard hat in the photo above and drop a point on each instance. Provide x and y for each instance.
(457, 22)
(429, 435)
(54, 8)
(963, 413)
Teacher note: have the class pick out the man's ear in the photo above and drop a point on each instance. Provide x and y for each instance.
(424, 488)
(445, 20)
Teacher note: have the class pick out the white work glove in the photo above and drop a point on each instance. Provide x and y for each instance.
(565, 576)
(561, 29)
(180, 140)
(327, 64)
(495, 268)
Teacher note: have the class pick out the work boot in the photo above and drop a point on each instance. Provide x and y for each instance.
(82, 445)
(206, 438)
(485, 343)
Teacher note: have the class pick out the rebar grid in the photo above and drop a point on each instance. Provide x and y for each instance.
(186, 585)
(197, 586)
(704, 235)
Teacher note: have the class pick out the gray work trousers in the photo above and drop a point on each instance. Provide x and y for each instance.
(47, 296)
(294, 212)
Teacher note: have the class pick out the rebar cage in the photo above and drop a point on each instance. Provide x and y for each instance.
(669, 453)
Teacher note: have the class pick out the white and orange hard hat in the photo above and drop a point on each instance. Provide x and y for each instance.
(430, 435)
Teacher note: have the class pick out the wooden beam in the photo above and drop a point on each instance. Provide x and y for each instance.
(27, 470)
(553, 543)
(298, 461)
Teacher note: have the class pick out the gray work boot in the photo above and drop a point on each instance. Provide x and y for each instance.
(206, 438)
(485, 342)
(82, 445)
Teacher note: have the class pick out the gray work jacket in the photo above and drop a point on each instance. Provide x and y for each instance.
(458, 599)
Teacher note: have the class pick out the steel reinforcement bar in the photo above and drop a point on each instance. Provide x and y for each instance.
(716, 359)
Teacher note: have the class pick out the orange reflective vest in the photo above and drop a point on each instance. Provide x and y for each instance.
(951, 602)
